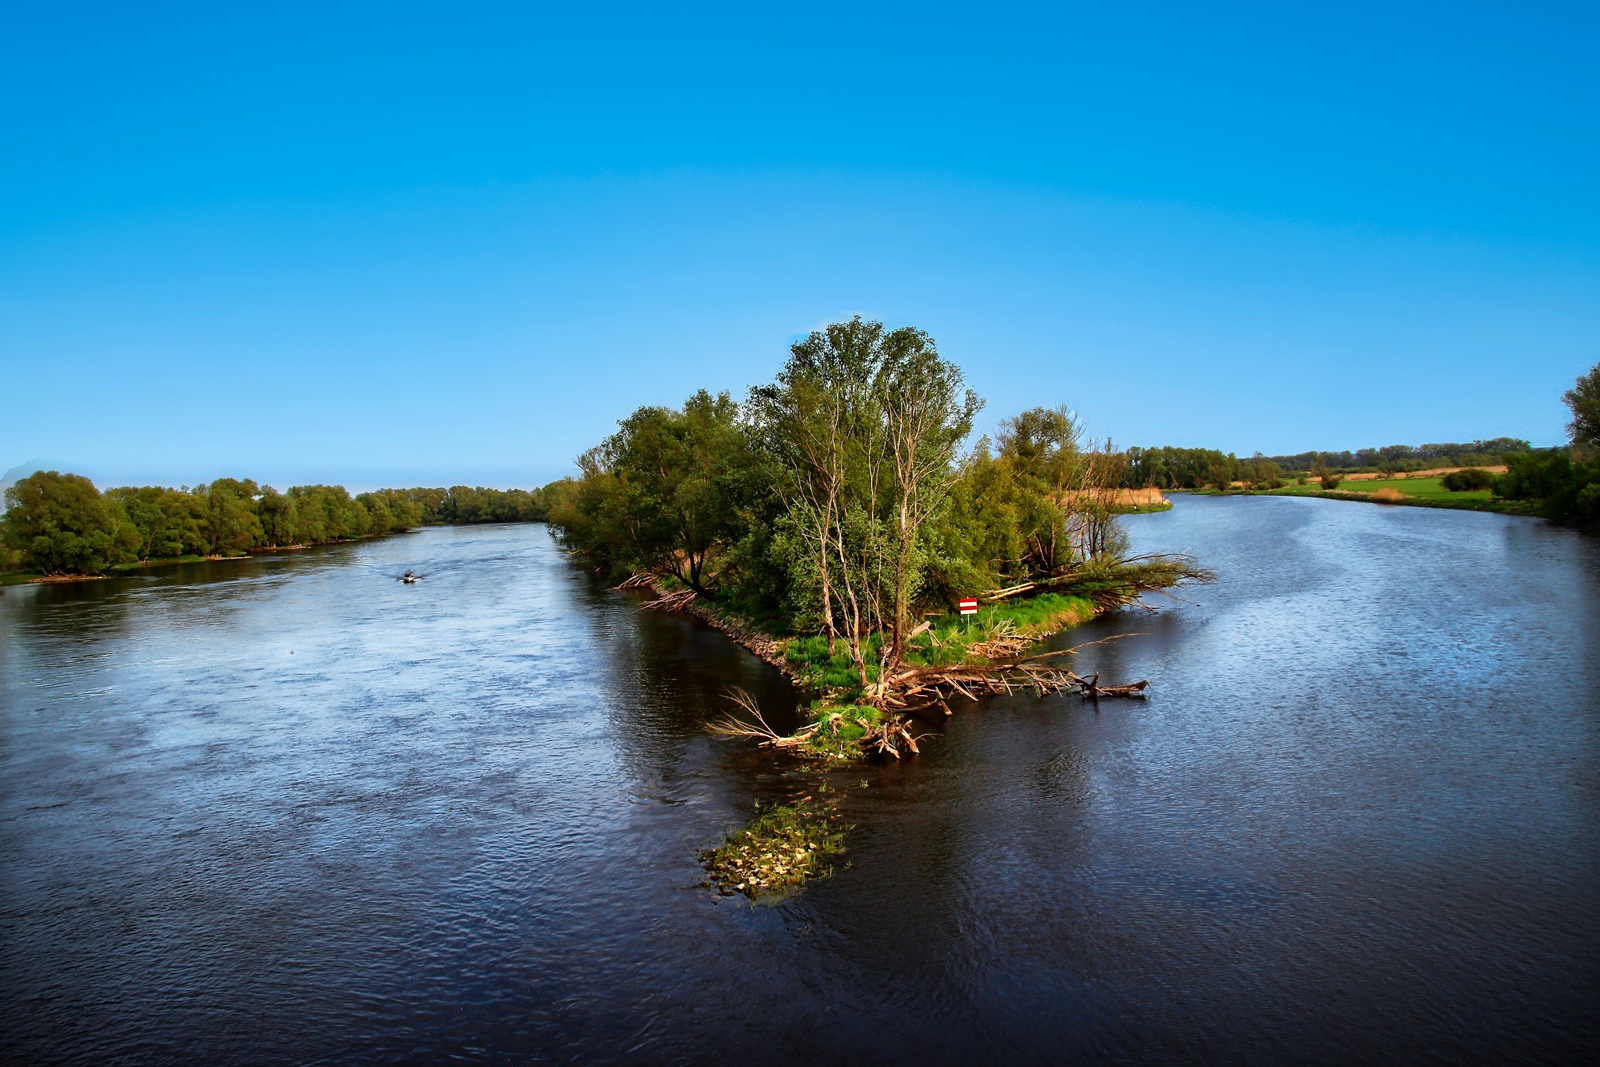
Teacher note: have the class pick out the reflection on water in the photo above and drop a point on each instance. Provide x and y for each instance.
(291, 810)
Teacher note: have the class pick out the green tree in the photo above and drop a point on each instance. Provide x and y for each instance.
(657, 494)
(866, 423)
(61, 524)
(231, 523)
(1044, 449)
(1583, 399)
(142, 507)
(279, 517)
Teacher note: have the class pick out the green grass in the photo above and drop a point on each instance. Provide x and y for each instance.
(127, 568)
(1417, 492)
(19, 577)
(840, 729)
(947, 643)
(1420, 488)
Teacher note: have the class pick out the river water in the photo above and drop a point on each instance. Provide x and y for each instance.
(289, 810)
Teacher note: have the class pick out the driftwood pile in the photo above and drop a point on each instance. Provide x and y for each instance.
(923, 690)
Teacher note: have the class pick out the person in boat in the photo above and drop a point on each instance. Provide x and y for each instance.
(408, 577)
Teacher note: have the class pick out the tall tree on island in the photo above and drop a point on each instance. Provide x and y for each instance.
(866, 423)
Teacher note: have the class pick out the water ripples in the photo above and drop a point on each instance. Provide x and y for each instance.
(290, 810)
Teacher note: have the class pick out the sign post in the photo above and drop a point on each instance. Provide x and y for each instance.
(968, 605)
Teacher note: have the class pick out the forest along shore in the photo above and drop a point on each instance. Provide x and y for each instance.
(840, 524)
(61, 527)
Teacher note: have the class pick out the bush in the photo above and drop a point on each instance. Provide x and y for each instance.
(1468, 480)
(1331, 481)
(1388, 495)
(1536, 476)
(1565, 490)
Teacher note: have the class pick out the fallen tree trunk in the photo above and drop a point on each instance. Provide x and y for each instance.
(1115, 583)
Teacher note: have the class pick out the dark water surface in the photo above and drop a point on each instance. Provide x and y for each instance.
(291, 811)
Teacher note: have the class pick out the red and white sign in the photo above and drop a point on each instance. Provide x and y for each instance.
(969, 605)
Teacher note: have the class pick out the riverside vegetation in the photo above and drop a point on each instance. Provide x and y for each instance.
(1560, 483)
(59, 525)
(832, 520)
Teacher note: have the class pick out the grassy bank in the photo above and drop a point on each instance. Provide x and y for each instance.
(782, 848)
(1405, 492)
(950, 640)
(1412, 492)
(838, 718)
(143, 564)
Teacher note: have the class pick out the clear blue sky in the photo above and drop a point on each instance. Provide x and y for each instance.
(454, 243)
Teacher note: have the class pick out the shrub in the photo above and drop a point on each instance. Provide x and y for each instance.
(1467, 480)
(1387, 495)
(1536, 476)
(1331, 481)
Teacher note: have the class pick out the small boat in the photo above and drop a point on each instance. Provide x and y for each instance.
(410, 578)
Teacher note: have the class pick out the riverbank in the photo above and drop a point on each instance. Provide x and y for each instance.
(122, 570)
(37, 578)
(1413, 492)
(838, 719)
(780, 850)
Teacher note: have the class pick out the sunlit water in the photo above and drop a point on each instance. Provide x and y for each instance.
(291, 811)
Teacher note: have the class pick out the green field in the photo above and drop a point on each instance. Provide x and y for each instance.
(1421, 488)
(1418, 492)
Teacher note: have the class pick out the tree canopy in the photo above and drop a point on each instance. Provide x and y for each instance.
(1583, 400)
(61, 524)
(843, 498)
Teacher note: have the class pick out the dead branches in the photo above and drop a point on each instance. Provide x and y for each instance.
(887, 739)
(675, 601)
(638, 581)
(747, 721)
(928, 687)
(1004, 642)
(1010, 591)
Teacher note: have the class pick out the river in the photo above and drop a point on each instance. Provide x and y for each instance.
(289, 810)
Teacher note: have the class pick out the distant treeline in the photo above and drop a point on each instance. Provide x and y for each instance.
(1194, 468)
(1397, 458)
(61, 524)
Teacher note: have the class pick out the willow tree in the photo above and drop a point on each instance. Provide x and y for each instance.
(1045, 451)
(867, 423)
(659, 493)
